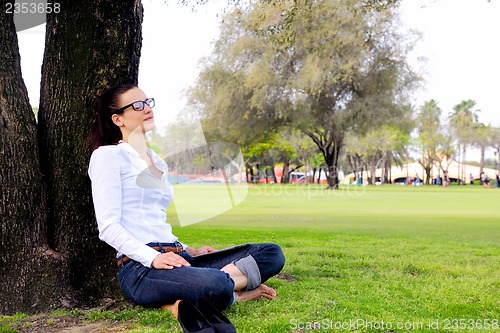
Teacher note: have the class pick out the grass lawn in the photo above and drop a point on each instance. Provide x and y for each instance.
(375, 259)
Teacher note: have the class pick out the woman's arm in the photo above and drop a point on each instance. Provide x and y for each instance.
(104, 171)
(199, 251)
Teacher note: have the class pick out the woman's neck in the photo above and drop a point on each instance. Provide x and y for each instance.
(138, 142)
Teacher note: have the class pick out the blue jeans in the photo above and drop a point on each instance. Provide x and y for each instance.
(203, 279)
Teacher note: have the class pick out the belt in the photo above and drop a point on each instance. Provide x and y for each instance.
(163, 249)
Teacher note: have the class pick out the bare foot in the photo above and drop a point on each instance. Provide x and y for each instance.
(262, 292)
(173, 308)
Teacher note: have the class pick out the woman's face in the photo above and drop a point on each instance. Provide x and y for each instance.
(131, 120)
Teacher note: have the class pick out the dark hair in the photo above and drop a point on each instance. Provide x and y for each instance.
(104, 131)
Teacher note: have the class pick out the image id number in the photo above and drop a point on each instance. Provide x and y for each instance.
(32, 8)
(470, 324)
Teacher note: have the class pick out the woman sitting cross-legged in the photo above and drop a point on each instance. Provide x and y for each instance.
(155, 268)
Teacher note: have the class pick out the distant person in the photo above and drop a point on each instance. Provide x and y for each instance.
(446, 180)
(471, 178)
(486, 180)
(417, 180)
(497, 181)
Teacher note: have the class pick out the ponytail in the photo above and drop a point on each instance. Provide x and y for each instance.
(104, 131)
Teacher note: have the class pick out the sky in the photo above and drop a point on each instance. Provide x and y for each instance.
(459, 41)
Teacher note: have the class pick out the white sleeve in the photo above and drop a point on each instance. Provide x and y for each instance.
(104, 172)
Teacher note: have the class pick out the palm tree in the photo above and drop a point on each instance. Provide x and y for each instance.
(462, 121)
(495, 143)
(482, 136)
(429, 135)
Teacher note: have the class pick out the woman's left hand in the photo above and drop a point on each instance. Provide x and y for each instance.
(200, 251)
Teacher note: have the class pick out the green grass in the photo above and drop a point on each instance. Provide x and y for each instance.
(369, 255)
(376, 259)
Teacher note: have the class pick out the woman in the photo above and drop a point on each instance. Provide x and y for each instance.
(155, 269)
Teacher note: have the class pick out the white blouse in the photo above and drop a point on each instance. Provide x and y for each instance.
(129, 201)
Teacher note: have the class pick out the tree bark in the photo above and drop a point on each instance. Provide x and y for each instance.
(50, 253)
(28, 269)
(333, 174)
(285, 172)
(89, 46)
(481, 159)
(332, 162)
(329, 144)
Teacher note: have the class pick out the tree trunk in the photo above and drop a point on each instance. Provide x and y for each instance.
(373, 168)
(249, 174)
(90, 46)
(332, 162)
(481, 160)
(50, 251)
(428, 177)
(29, 270)
(462, 176)
(387, 165)
(350, 161)
(285, 172)
(313, 177)
(498, 165)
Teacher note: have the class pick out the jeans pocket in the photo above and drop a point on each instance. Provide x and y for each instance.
(129, 278)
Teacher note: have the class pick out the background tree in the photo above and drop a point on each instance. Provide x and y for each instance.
(50, 252)
(445, 152)
(482, 136)
(354, 152)
(430, 135)
(374, 148)
(463, 119)
(285, 152)
(495, 143)
(323, 67)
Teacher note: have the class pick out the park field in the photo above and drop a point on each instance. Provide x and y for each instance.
(374, 259)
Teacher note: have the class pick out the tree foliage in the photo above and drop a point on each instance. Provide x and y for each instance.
(430, 135)
(374, 149)
(323, 67)
(463, 119)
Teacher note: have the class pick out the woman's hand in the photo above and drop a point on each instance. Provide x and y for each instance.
(169, 260)
(200, 251)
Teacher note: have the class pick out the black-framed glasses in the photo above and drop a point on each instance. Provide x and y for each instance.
(138, 105)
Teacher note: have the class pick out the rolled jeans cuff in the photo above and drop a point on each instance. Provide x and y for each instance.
(248, 266)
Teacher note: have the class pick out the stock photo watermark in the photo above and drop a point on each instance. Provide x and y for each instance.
(310, 191)
(211, 178)
(365, 324)
(29, 14)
